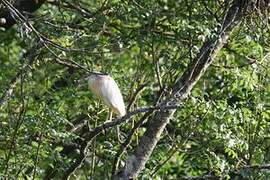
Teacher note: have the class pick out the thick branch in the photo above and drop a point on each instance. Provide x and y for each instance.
(136, 162)
(86, 135)
(90, 134)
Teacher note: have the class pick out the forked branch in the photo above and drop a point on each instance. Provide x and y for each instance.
(136, 161)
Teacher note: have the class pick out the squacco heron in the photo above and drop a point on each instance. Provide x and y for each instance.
(105, 88)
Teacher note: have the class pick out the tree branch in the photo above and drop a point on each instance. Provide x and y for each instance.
(86, 135)
(136, 161)
(107, 125)
(124, 145)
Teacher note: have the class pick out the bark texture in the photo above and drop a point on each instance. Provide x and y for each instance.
(136, 161)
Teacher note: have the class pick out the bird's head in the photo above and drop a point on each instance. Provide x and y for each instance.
(90, 78)
(94, 75)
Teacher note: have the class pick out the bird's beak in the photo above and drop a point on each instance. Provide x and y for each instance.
(81, 82)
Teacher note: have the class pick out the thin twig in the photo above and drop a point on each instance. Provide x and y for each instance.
(45, 40)
(135, 95)
(19, 120)
(107, 125)
(31, 53)
(90, 134)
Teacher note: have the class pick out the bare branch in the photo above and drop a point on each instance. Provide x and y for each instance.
(128, 140)
(136, 161)
(107, 125)
(46, 42)
(88, 134)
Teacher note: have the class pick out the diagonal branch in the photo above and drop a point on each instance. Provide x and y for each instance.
(136, 162)
(90, 134)
(86, 135)
(124, 145)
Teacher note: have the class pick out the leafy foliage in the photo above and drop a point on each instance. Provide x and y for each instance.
(222, 128)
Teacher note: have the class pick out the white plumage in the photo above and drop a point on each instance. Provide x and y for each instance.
(106, 89)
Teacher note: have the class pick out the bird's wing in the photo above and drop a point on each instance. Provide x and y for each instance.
(112, 95)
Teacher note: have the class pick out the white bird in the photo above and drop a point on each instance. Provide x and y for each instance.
(105, 88)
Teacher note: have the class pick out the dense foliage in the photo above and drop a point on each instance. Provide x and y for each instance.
(222, 130)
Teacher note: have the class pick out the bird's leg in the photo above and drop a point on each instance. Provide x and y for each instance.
(108, 119)
(119, 134)
(109, 116)
(98, 105)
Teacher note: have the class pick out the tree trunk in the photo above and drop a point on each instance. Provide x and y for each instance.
(136, 161)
